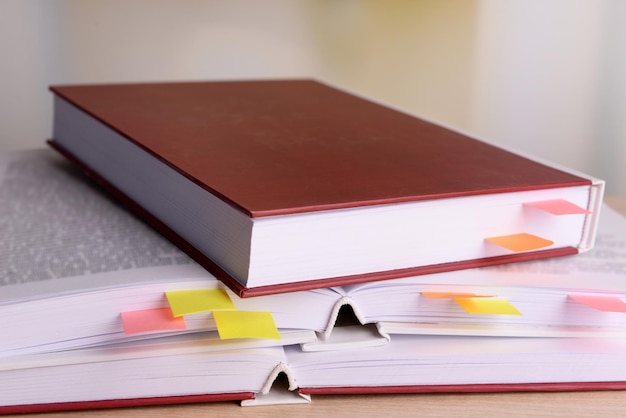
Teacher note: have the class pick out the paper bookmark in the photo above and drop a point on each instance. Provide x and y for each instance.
(151, 320)
(482, 306)
(186, 302)
(520, 242)
(558, 207)
(601, 303)
(245, 324)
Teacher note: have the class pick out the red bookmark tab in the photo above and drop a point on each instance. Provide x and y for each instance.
(558, 207)
(601, 303)
(151, 320)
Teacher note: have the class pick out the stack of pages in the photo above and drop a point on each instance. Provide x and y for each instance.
(100, 310)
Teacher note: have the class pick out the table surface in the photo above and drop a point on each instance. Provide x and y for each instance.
(557, 404)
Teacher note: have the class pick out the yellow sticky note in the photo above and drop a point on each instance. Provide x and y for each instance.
(186, 302)
(451, 295)
(558, 207)
(482, 306)
(520, 242)
(245, 324)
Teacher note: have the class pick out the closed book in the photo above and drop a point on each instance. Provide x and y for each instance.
(284, 185)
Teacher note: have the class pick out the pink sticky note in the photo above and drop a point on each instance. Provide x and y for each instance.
(151, 320)
(558, 207)
(601, 303)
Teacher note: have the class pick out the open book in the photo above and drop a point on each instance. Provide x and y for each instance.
(73, 262)
(284, 185)
(150, 374)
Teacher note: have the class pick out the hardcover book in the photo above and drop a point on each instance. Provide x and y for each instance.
(117, 377)
(284, 185)
(81, 278)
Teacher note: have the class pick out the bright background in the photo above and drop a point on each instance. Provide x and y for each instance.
(547, 77)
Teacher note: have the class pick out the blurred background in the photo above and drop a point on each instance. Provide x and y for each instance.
(546, 77)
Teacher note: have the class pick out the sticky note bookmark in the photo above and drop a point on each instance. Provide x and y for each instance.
(558, 207)
(151, 320)
(601, 303)
(452, 295)
(245, 324)
(520, 242)
(482, 306)
(186, 302)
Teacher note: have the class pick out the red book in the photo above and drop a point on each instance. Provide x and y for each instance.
(286, 185)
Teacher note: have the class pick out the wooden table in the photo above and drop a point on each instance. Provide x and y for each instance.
(617, 203)
(558, 404)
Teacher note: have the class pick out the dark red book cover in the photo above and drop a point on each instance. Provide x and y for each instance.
(468, 388)
(278, 147)
(290, 146)
(123, 403)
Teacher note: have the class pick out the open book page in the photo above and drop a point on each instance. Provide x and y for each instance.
(172, 345)
(61, 234)
(72, 260)
(309, 309)
(193, 373)
(409, 360)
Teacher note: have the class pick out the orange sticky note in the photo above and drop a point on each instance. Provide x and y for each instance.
(558, 207)
(601, 303)
(520, 242)
(482, 306)
(186, 302)
(245, 324)
(451, 295)
(151, 320)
